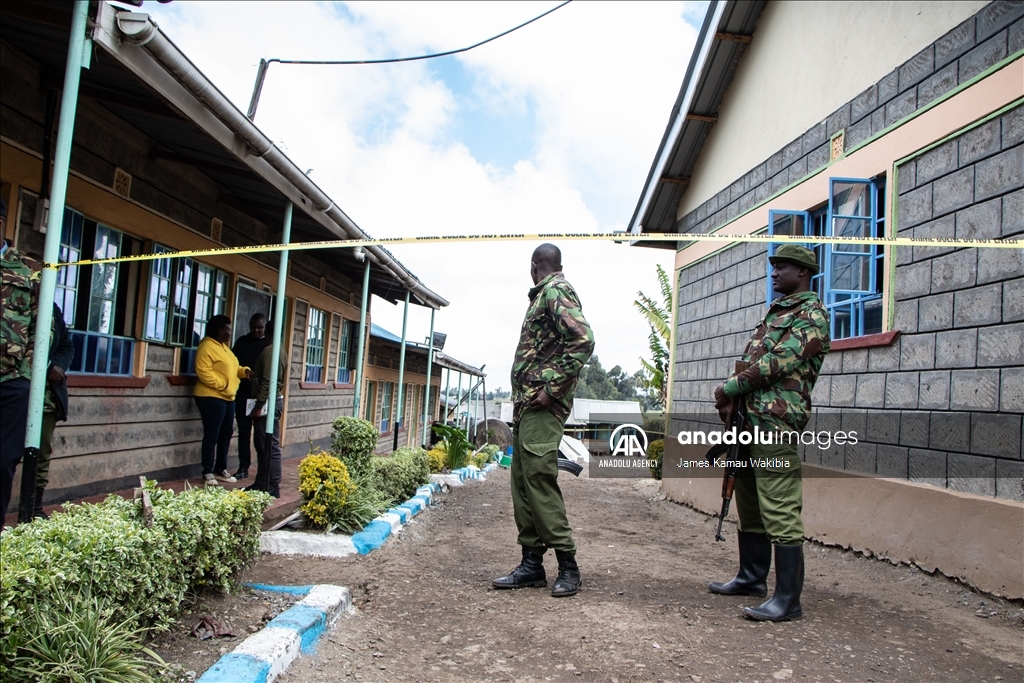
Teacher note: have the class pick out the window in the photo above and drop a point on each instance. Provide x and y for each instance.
(371, 398)
(167, 302)
(104, 291)
(211, 298)
(66, 293)
(849, 279)
(385, 405)
(316, 336)
(345, 356)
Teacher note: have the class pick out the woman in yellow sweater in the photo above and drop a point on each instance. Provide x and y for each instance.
(218, 373)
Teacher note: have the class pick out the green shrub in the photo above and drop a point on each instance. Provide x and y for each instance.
(200, 537)
(456, 445)
(399, 475)
(325, 486)
(353, 442)
(74, 639)
(438, 457)
(654, 453)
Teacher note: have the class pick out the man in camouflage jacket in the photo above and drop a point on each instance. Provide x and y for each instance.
(784, 355)
(19, 294)
(554, 345)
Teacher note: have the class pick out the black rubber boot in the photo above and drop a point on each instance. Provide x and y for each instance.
(37, 512)
(784, 604)
(529, 573)
(568, 581)
(755, 561)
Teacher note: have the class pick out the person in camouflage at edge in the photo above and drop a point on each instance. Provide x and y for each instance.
(19, 294)
(554, 345)
(785, 355)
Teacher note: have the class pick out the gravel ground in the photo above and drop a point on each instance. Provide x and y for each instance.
(425, 610)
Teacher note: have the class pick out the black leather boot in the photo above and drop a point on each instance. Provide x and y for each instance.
(529, 573)
(784, 604)
(568, 581)
(755, 561)
(37, 512)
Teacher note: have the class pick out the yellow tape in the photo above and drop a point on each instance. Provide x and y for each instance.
(554, 236)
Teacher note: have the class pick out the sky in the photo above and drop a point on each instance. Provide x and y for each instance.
(552, 128)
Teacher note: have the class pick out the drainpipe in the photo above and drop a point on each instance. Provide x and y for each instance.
(282, 283)
(361, 354)
(78, 45)
(401, 369)
(430, 368)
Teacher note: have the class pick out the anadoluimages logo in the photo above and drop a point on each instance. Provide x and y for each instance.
(627, 443)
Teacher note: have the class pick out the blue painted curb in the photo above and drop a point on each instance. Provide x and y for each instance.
(308, 622)
(265, 655)
(232, 668)
(290, 590)
(372, 536)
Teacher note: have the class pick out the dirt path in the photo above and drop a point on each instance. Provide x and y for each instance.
(425, 611)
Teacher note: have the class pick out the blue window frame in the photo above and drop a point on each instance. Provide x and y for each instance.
(385, 406)
(345, 353)
(316, 339)
(849, 279)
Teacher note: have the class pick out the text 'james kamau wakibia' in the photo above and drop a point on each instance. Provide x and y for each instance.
(823, 439)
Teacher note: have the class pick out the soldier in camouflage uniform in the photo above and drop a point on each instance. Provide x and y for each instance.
(785, 354)
(19, 294)
(554, 345)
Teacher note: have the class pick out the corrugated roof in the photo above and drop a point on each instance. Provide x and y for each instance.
(724, 36)
(40, 30)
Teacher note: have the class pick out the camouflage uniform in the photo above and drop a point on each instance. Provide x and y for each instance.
(554, 345)
(785, 355)
(19, 294)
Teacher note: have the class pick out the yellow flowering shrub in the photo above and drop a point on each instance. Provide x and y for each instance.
(325, 486)
(437, 457)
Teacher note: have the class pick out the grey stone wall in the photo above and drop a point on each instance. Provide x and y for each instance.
(988, 37)
(942, 404)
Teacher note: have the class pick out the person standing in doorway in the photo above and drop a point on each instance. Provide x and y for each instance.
(218, 374)
(785, 355)
(268, 445)
(554, 345)
(247, 349)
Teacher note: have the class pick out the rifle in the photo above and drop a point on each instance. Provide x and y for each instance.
(567, 465)
(739, 422)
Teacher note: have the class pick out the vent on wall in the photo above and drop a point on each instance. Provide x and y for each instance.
(216, 228)
(323, 284)
(122, 182)
(836, 147)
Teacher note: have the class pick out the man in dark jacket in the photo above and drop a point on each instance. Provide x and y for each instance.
(268, 445)
(247, 349)
(55, 402)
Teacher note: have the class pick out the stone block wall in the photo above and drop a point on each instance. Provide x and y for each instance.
(943, 404)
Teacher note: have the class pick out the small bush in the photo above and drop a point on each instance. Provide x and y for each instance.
(200, 537)
(654, 452)
(399, 475)
(326, 486)
(437, 457)
(353, 441)
(74, 639)
(456, 445)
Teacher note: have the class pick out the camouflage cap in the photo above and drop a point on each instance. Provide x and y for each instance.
(793, 253)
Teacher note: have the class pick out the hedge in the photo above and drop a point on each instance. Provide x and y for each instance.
(199, 538)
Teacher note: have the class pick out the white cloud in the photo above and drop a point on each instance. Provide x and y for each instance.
(598, 78)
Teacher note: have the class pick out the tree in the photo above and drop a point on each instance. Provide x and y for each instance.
(607, 385)
(655, 372)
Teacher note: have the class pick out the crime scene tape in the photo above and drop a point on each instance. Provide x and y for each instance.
(554, 236)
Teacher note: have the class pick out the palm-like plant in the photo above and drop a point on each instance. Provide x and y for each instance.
(659, 319)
